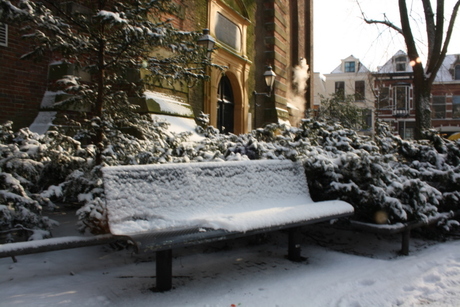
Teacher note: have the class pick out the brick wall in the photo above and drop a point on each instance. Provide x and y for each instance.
(22, 82)
(281, 38)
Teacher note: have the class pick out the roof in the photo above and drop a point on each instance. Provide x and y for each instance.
(388, 67)
(351, 58)
(445, 71)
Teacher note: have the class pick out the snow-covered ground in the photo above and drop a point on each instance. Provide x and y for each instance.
(343, 268)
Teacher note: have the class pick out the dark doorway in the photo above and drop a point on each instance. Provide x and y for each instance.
(225, 106)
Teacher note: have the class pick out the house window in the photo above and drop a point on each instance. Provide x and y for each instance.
(407, 134)
(401, 100)
(457, 72)
(340, 90)
(350, 66)
(439, 107)
(359, 91)
(384, 98)
(456, 106)
(3, 35)
(400, 63)
(367, 118)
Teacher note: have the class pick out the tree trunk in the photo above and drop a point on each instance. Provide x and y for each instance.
(100, 103)
(422, 101)
(423, 78)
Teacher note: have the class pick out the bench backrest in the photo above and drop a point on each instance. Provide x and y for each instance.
(163, 196)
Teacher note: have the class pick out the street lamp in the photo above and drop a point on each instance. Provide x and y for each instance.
(270, 77)
(207, 41)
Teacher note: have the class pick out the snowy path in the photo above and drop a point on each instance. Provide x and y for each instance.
(243, 274)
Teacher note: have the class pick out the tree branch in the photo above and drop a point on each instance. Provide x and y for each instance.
(435, 35)
(430, 26)
(385, 22)
(450, 29)
(407, 31)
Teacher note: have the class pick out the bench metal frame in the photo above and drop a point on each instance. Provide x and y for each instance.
(403, 228)
(162, 243)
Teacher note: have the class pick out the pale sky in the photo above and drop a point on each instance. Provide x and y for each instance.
(339, 31)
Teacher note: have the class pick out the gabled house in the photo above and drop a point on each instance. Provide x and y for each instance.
(394, 95)
(352, 78)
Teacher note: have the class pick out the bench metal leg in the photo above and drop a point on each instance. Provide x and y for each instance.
(294, 248)
(164, 270)
(405, 242)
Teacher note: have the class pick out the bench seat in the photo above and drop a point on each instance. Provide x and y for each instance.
(166, 206)
(234, 196)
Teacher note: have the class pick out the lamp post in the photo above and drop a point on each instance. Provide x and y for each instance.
(269, 76)
(207, 41)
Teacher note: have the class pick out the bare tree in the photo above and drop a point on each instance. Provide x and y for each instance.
(437, 43)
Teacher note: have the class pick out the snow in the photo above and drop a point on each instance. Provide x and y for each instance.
(170, 104)
(43, 122)
(235, 196)
(112, 16)
(388, 67)
(344, 268)
(180, 125)
(445, 71)
(443, 75)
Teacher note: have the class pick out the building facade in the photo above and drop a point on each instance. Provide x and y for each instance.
(352, 79)
(250, 35)
(22, 83)
(394, 95)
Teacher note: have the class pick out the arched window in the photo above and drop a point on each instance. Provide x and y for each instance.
(225, 106)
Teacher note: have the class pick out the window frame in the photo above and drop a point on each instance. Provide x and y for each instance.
(3, 34)
(400, 63)
(456, 107)
(457, 72)
(360, 91)
(350, 66)
(438, 106)
(397, 100)
(339, 89)
(384, 96)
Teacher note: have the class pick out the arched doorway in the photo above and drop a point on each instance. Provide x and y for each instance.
(225, 106)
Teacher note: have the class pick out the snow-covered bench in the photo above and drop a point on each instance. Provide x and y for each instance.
(162, 207)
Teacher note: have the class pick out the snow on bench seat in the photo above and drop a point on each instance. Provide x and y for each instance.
(233, 196)
(161, 207)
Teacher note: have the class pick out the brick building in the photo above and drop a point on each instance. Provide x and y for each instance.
(388, 93)
(250, 35)
(22, 82)
(394, 92)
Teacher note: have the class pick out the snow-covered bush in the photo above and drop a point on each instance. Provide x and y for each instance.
(404, 180)
(20, 172)
(93, 217)
(398, 179)
(387, 174)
